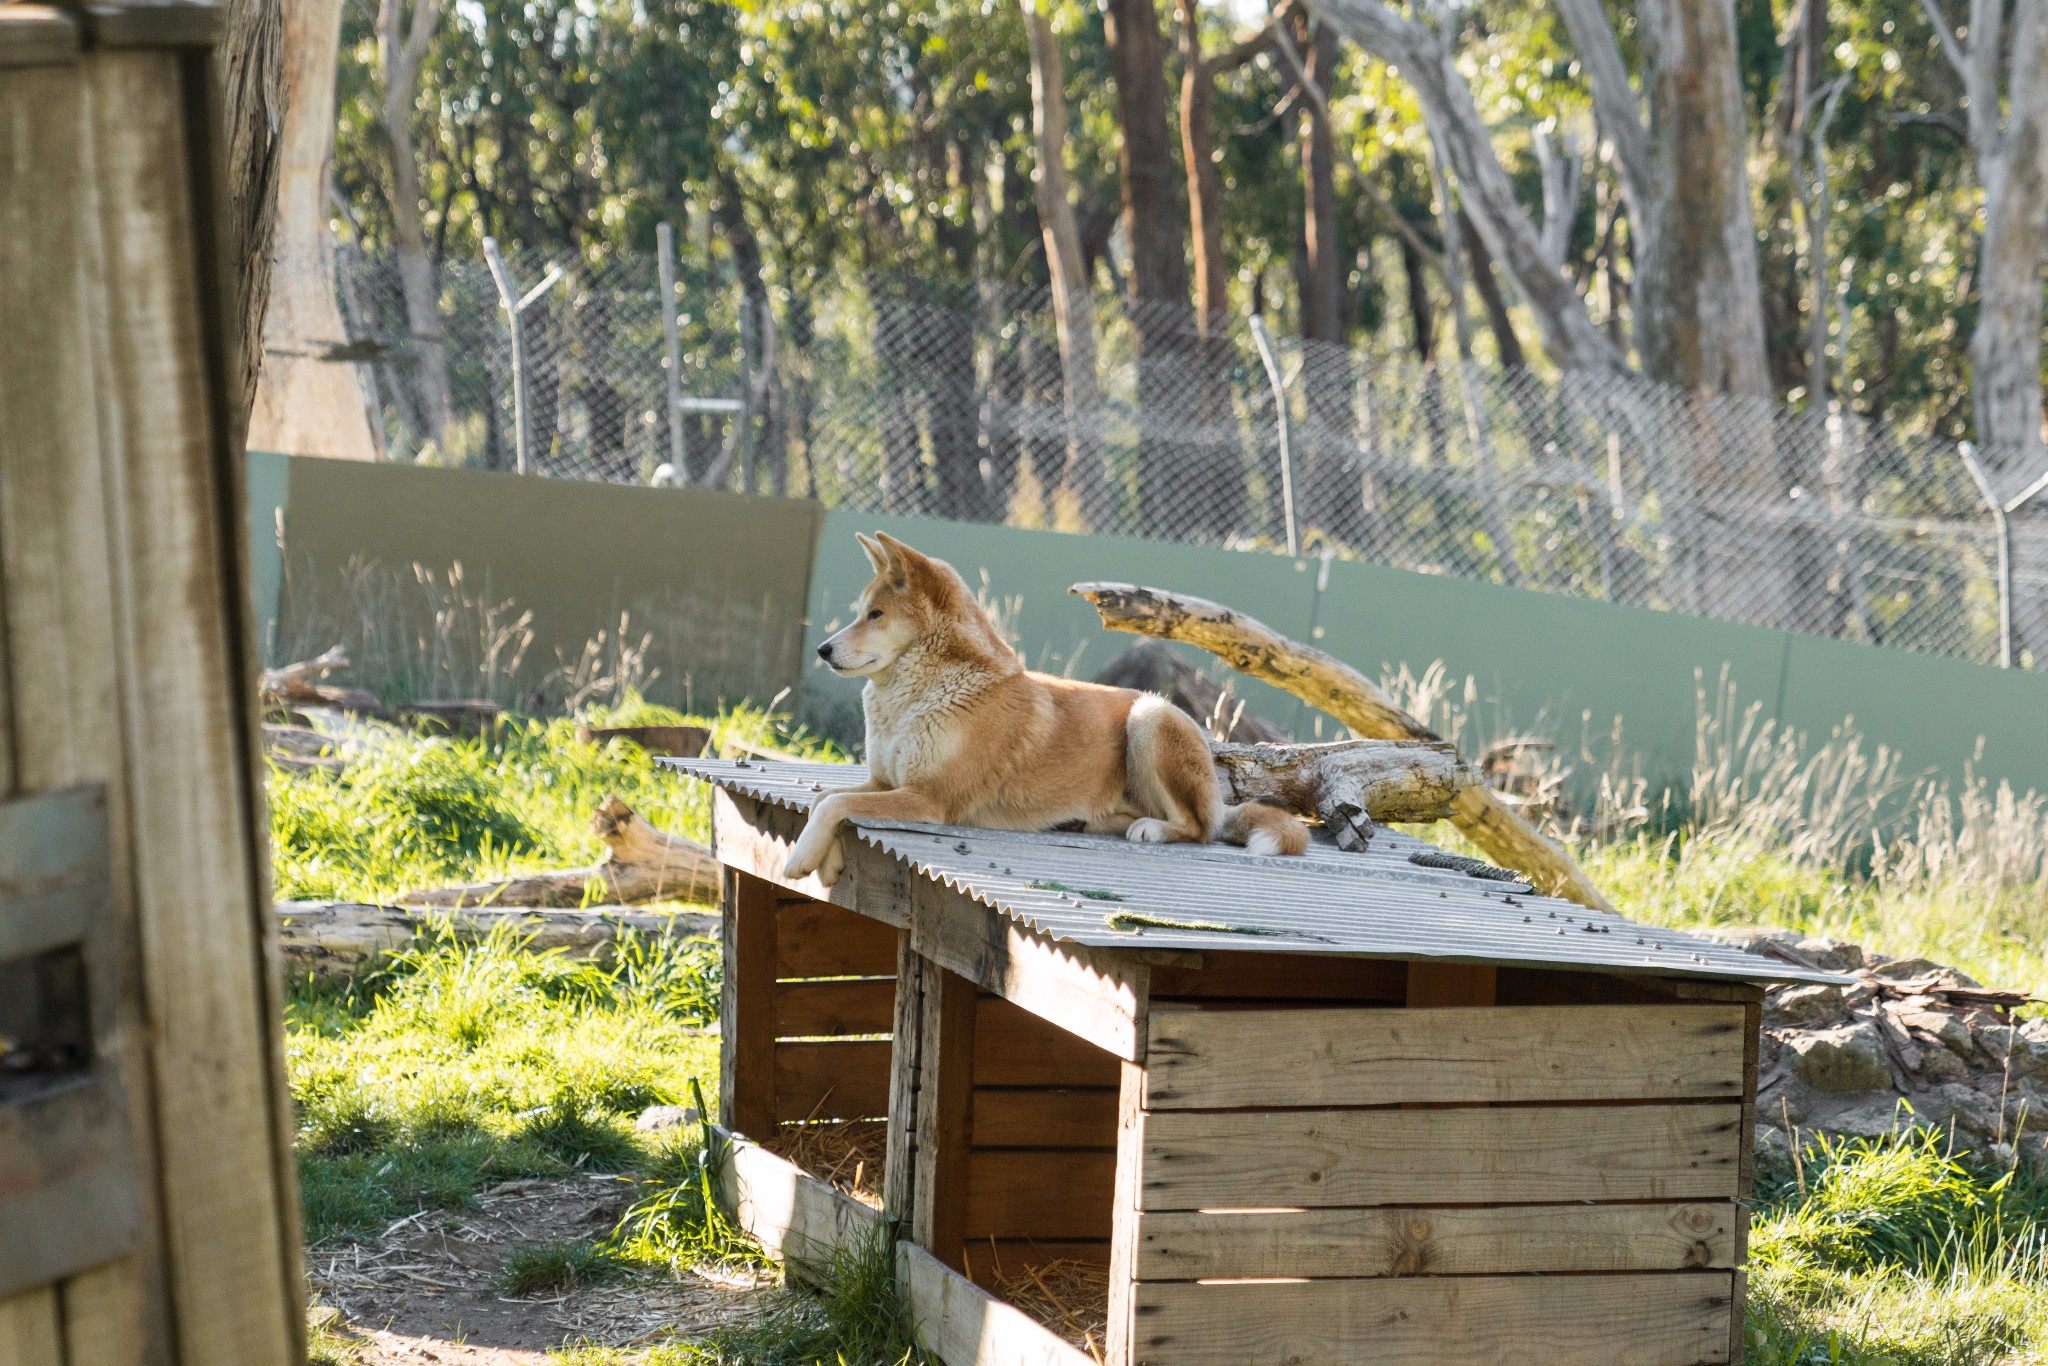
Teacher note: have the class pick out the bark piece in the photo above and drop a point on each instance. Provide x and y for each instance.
(640, 863)
(1349, 784)
(1252, 647)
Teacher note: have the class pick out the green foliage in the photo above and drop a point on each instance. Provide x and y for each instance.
(543, 1268)
(410, 812)
(463, 1064)
(1896, 1251)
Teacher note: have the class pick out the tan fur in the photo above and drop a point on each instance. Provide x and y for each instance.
(960, 733)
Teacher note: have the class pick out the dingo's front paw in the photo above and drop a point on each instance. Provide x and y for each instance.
(802, 863)
(833, 866)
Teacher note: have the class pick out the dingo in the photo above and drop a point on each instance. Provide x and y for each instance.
(960, 733)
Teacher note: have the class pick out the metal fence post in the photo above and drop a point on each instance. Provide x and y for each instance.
(2001, 525)
(515, 307)
(672, 349)
(1264, 341)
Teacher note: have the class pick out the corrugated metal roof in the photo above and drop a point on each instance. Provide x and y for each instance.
(1106, 892)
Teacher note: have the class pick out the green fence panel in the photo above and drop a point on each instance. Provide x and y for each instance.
(269, 489)
(1549, 664)
(718, 579)
(1935, 712)
(1056, 632)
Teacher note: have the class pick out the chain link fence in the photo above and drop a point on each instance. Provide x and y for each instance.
(952, 403)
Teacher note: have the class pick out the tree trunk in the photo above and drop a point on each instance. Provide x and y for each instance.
(1154, 231)
(1251, 647)
(307, 404)
(1699, 320)
(249, 71)
(403, 47)
(1569, 335)
(1073, 308)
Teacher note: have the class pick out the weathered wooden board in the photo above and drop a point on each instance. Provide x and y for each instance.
(1218, 1060)
(1045, 1118)
(857, 1005)
(945, 1090)
(1321, 1158)
(813, 939)
(756, 837)
(746, 1040)
(1283, 976)
(966, 1326)
(793, 1215)
(1039, 1195)
(1459, 1241)
(1013, 1047)
(831, 1079)
(1650, 1320)
(1097, 996)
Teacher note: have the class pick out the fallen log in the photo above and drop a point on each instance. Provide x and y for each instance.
(1251, 647)
(341, 938)
(292, 686)
(1348, 784)
(640, 864)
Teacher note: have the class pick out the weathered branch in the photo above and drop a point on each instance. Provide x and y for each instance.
(1252, 647)
(640, 863)
(1349, 784)
(1619, 112)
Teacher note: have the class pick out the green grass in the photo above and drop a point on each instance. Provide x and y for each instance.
(1897, 1252)
(410, 812)
(544, 1268)
(466, 1064)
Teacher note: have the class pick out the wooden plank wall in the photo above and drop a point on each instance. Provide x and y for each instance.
(1303, 1184)
(1041, 1153)
(810, 992)
(125, 661)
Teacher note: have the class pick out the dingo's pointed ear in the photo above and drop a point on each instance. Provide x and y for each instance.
(902, 554)
(878, 554)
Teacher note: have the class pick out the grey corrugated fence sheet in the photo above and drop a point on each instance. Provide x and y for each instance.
(1378, 904)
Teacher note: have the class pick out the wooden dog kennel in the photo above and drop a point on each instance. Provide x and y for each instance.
(1387, 1104)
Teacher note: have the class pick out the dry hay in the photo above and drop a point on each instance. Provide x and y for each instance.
(846, 1154)
(1068, 1296)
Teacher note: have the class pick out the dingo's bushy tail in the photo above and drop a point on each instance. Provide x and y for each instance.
(1262, 829)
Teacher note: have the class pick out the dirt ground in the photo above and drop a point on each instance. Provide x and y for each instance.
(422, 1292)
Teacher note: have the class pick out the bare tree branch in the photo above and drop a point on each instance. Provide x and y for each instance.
(1616, 106)
(1569, 335)
(1950, 48)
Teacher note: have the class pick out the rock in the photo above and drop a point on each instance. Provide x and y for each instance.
(1839, 1061)
(1940, 1065)
(1944, 1026)
(1970, 1110)
(1771, 1141)
(1804, 1005)
(656, 1118)
(2027, 1047)
(1904, 969)
(1876, 1117)
(1836, 955)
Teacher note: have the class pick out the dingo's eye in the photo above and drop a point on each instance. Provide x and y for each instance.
(875, 615)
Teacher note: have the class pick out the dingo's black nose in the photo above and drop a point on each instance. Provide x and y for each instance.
(825, 651)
